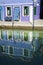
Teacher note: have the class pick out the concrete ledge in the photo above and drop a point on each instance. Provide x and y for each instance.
(38, 25)
(22, 27)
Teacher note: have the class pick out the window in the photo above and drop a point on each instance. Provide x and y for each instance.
(16, 13)
(8, 11)
(26, 10)
(25, 52)
(25, 36)
(34, 10)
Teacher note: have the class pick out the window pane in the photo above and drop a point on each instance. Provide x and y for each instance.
(26, 10)
(9, 34)
(16, 13)
(3, 35)
(25, 36)
(9, 11)
(25, 52)
(34, 10)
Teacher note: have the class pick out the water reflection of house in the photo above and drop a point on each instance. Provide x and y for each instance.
(18, 43)
(19, 10)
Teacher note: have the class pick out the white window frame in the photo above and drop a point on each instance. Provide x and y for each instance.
(23, 10)
(6, 11)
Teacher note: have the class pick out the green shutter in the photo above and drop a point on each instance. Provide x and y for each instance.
(34, 10)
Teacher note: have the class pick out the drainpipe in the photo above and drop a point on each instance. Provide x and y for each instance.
(33, 16)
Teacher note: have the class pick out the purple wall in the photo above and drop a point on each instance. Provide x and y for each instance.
(24, 18)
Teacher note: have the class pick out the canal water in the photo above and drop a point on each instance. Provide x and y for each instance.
(27, 37)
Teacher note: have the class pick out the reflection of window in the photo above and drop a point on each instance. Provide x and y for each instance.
(3, 35)
(26, 10)
(1, 48)
(11, 50)
(9, 34)
(34, 10)
(25, 36)
(7, 49)
(25, 52)
(21, 36)
(4, 48)
(8, 11)
(16, 35)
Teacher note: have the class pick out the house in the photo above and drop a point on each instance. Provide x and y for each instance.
(13, 42)
(19, 10)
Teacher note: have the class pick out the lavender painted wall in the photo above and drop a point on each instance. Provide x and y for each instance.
(23, 18)
(15, 1)
(26, 18)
